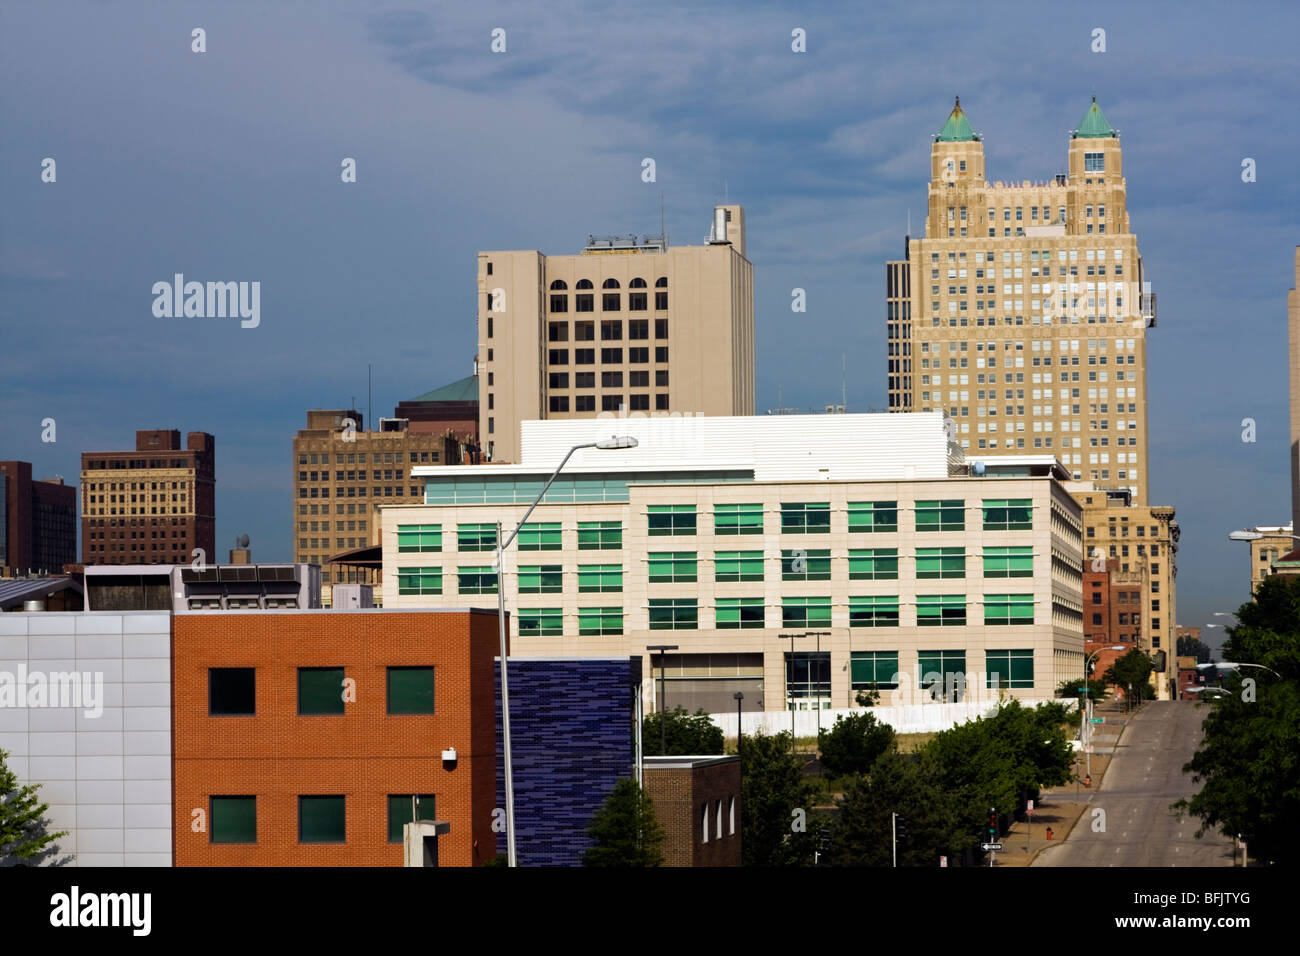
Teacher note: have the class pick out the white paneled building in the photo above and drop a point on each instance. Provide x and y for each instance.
(798, 560)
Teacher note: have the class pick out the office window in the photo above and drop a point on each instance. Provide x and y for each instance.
(611, 379)
(868, 516)
(583, 332)
(541, 579)
(639, 379)
(671, 519)
(600, 577)
(232, 691)
(738, 519)
(935, 665)
(738, 566)
(540, 621)
(940, 562)
(1010, 563)
(600, 620)
(1008, 609)
(476, 537)
(674, 614)
(800, 564)
(559, 403)
(600, 535)
(611, 403)
(476, 580)
(321, 819)
(873, 611)
(1094, 162)
(661, 353)
(1007, 515)
(639, 356)
(1009, 668)
(419, 537)
(419, 580)
(584, 379)
(945, 515)
(806, 518)
(232, 819)
(540, 536)
(320, 691)
(672, 566)
(584, 403)
(410, 690)
(611, 330)
(873, 564)
(941, 610)
(584, 356)
(638, 328)
(739, 613)
(558, 356)
(878, 669)
(400, 812)
(805, 611)
(611, 356)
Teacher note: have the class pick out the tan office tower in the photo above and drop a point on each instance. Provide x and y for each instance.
(1023, 311)
(1293, 323)
(624, 324)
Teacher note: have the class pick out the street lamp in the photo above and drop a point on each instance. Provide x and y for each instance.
(1247, 535)
(614, 441)
(788, 689)
(1087, 702)
(739, 697)
(663, 694)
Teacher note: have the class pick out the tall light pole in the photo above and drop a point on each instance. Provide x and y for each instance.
(1087, 701)
(788, 690)
(819, 635)
(663, 694)
(607, 443)
(739, 697)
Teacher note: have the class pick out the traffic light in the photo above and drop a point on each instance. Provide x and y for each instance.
(900, 827)
(993, 825)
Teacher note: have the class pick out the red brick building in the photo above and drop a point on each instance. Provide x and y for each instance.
(1112, 614)
(38, 521)
(154, 505)
(697, 802)
(301, 736)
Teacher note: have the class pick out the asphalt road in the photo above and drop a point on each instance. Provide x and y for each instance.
(1145, 776)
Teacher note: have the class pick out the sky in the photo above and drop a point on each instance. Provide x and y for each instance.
(224, 165)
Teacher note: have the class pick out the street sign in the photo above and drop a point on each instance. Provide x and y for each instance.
(990, 846)
(1083, 690)
(1030, 808)
(1097, 720)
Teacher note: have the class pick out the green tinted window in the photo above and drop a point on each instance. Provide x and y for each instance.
(805, 611)
(674, 614)
(806, 518)
(738, 519)
(1009, 562)
(419, 580)
(476, 537)
(941, 610)
(232, 819)
(541, 579)
(738, 565)
(873, 564)
(600, 620)
(600, 535)
(540, 621)
(671, 519)
(868, 516)
(419, 537)
(400, 813)
(540, 537)
(321, 820)
(1008, 514)
(1009, 668)
(739, 613)
(668, 566)
(873, 610)
(410, 690)
(940, 562)
(874, 669)
(806, 564)
(1008, 609)
(320, 690)
(600, 577)
(945, 515)
(476, 580)
(936, 666)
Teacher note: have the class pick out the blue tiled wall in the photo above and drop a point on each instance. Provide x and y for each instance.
(571, 727)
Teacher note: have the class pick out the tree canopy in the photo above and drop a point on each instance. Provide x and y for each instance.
(688, 734)
(854, 743)
(776, 802)
(24, 837)
(625, 830)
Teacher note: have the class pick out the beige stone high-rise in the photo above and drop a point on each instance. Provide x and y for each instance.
(1293, 323)
(623, 324)
(1023, 311)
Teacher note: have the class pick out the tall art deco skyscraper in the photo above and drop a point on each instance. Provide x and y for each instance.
(1023, 312)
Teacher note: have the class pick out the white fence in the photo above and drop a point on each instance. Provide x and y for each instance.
(905, 719)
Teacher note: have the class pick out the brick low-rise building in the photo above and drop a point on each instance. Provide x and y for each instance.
(697, 802)
(38, 521)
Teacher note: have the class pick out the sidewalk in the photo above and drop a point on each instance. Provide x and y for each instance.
(1061, 807)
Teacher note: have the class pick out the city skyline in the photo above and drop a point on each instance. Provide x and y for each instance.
(178, 164)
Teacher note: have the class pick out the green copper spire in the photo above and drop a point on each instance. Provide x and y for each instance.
(1094, 124)
(957, 129)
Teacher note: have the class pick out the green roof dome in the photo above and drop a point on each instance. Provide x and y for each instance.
(957, 129)
(1094, 124)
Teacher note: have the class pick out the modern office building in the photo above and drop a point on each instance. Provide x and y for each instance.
(1023, 311)
(869, 538)
(1131, 554)
(574, 726)
(624, 323)
(306, 738)
(1293, 326)
(154, 505)
(38, 521)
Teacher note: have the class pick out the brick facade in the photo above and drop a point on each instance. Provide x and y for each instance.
(365, 754)
(683, 789)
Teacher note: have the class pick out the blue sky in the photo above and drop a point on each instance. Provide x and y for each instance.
(225, 166)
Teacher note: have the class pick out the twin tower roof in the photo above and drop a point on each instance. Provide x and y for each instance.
(958, 129)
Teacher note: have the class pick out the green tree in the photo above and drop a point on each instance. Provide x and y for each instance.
(854, 743)
(776, 803)
(688, 734)
(1070, 688)
(1193, 647)
(625, 830)
(1247, 761)
(23, 830)
(1132, 671)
